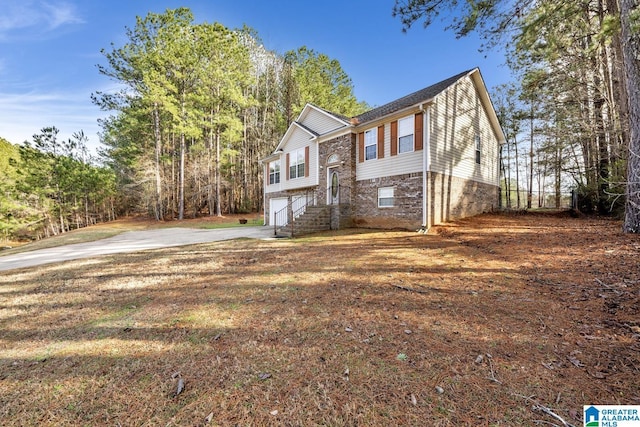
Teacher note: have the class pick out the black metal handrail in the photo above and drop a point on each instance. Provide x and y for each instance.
(287, 215)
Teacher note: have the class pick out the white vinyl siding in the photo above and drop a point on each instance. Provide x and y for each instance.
(319, 121)
(389, 165)
(458, 119)
(298, 140)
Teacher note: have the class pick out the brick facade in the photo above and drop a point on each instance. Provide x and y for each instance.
(407, 207)
(338, 154)
(453, 198)
(450, 198)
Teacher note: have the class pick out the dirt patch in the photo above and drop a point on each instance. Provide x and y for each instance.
(482, 322)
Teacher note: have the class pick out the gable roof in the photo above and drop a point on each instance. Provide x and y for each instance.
(411, 99)
(342, 117)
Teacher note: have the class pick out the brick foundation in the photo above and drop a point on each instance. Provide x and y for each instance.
(450, 198)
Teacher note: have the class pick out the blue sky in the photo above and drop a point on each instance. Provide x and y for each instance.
(49, 50)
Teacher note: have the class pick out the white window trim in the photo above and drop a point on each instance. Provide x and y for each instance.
(478, 149)
(371, 141)
(386, 193)
(274, 168)
(412, 126)
(294, 157)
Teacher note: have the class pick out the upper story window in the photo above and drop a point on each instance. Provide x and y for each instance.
(296, 164)
(405, 134)
(274, 172)
(478, 144)
(371, 144)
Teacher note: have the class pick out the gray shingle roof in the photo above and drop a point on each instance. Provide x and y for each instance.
(339, 116)
(409, 100)
(307, 128)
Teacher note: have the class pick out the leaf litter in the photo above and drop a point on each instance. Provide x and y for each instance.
(504, 310)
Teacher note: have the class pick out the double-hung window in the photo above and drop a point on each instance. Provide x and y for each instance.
(478, 148)
(296, 164)
(405, 134)
(274, 172)
(371, 144)
(385, 197)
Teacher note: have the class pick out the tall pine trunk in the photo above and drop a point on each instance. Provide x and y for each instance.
(181, 177)
(210, 172)
(158, 153)
(218, 197)
(531, 138)
(630, 51)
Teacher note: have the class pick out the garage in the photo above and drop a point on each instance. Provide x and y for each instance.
(276, 205)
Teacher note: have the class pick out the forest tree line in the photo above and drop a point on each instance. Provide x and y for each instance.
(50, 186)
(575, 108)
(199, 104)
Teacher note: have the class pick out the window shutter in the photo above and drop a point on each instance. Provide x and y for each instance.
(394, 138)
(381, 142)
(287, 174)
(306, 161)
(361, 147)
(418, 133)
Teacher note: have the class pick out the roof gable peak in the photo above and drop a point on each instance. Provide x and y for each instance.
(414, 98)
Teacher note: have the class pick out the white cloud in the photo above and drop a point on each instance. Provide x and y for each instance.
(61, 13)
(23, 115)
(37, 16)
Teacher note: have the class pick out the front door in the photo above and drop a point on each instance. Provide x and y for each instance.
(333, 196)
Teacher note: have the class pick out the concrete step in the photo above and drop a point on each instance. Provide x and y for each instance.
(314, 219)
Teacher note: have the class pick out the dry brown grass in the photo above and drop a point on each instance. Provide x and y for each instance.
(339, 329)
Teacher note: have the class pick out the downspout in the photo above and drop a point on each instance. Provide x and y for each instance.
(264, 193)
(426, 188)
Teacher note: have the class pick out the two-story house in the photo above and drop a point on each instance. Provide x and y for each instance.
(426, 158)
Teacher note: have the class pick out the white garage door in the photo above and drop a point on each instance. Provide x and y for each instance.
(276, 205)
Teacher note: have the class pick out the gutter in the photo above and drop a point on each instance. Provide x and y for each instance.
(426, 149)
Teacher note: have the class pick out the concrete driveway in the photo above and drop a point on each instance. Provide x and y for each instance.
(131, 241)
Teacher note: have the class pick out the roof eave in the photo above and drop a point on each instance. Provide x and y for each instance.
(418, 106)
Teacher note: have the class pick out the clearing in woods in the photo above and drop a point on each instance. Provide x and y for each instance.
(495, 320)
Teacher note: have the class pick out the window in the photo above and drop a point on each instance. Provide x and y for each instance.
(385, 197)
(274, 172)
(371, 144)
(296, 164)
(478, 149)
(405, 135)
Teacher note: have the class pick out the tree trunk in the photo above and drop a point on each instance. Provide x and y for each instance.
(530, 193)
(158, 152)
(630, 51)
(181, 178)
(515, 148)
(210, 172)
(218, 198)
